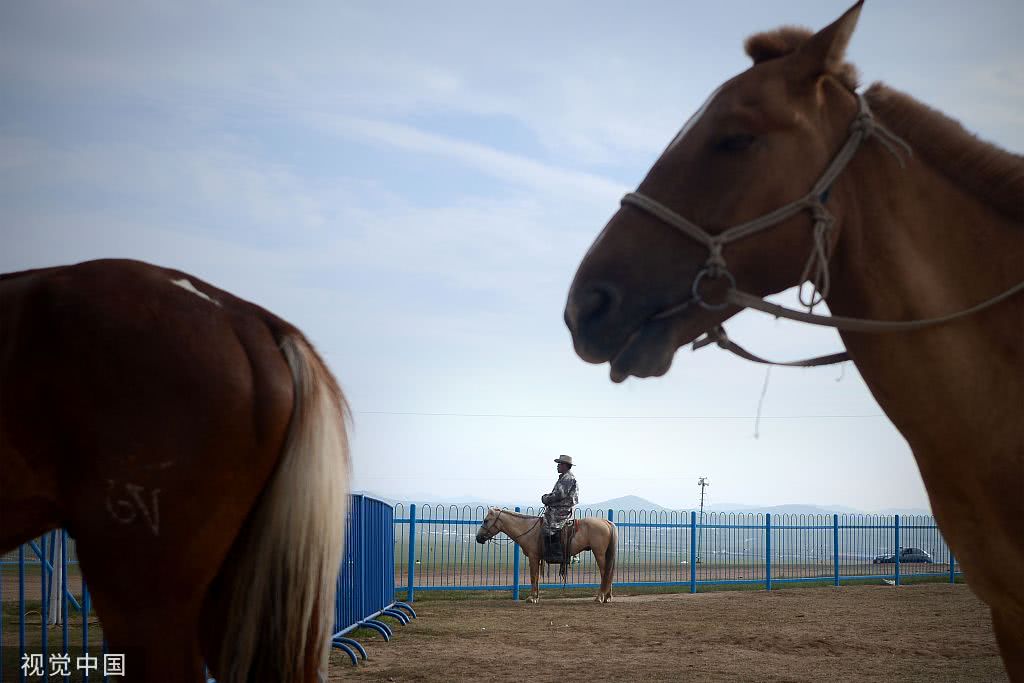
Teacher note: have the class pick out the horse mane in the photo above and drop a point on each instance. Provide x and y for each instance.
(762, 47)
(506, 511)
(992, 174)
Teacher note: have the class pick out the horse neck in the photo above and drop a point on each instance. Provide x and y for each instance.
(915, 245)
(514, 525)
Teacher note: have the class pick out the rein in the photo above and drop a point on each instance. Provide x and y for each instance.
(863, 127)
(514, 538)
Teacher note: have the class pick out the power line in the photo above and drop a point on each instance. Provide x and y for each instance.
(474, 480)
(520, 416)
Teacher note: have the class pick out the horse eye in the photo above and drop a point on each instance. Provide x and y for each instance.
(735, 143)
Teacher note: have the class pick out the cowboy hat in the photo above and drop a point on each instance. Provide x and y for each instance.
(567, 459)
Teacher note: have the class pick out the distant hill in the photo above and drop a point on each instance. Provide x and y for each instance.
(791, 509)
(625, 503)
(632, 502)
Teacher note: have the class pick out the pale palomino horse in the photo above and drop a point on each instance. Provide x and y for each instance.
(908, 226)
(592, 533)
(194, 445)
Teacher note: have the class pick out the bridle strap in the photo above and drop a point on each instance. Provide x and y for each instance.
(745, 300)
(718, 336)
(864, 126)
(494, 527)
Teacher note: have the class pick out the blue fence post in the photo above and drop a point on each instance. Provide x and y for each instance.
(64, 588)
(44, 592)
(611, 515)
(21, 603)
(835, 545)
(411, 593)
(693, 551)
(768, 551)
(897, 525)
(952, 564)
(515, 569)
(85, 618)
(361, 564)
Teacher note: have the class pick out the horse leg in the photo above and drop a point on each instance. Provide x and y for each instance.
(606, 561)
(534, 580)
(602, 589)
(606, 578)
(148, 589)
(159, 641)
(1009, 630)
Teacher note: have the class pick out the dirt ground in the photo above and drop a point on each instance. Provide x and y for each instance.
(931, 632)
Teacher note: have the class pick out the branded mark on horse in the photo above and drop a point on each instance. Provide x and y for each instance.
(908, 226)
(195, 446)
(592, 533)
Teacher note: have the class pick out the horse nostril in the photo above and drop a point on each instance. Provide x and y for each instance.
(590, 305)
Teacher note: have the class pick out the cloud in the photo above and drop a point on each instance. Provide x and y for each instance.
(504, 166)
(415, 194)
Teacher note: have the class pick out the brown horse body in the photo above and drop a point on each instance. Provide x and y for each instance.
(916, 236)
(592, 533)
(194, 445)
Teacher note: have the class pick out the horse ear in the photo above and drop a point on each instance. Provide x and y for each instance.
(825, 50)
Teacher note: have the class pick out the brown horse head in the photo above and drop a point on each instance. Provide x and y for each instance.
(761, 142)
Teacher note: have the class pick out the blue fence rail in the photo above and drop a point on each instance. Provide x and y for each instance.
(366, 590)
(435, 549)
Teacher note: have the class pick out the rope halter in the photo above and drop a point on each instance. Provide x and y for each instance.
(864, 126)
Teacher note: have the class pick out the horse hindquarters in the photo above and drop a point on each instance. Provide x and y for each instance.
(279, 580)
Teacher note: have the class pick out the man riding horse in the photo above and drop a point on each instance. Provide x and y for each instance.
(558, 507)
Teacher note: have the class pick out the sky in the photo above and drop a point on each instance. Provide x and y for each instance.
(414, 184)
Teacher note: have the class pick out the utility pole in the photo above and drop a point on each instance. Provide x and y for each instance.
(702, 483)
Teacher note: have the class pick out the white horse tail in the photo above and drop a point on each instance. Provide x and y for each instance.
(281, 607)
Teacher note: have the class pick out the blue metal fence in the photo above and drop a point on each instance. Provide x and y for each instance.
(366, 582)
(366, 590)
(30, 570)
(435, 550)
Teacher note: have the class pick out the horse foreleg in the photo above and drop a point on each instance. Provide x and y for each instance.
(1009, 630)
(534, 580)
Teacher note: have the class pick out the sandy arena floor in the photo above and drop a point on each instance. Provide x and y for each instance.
(931, 632)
